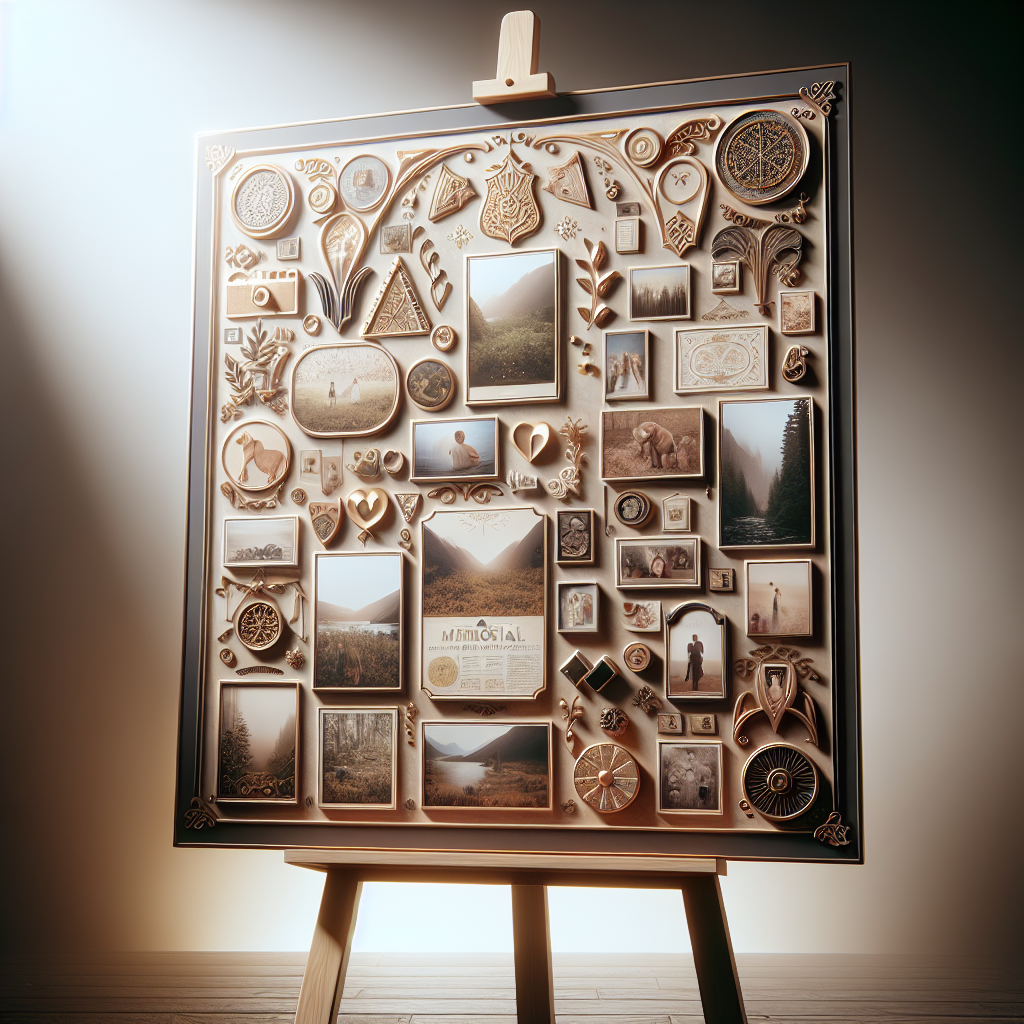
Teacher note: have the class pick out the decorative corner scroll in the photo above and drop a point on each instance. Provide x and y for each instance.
(410, 723)
(239, 500)
(746, 667)
(217, 157)
(833, 832)
(820, 96)
(683, 141)
(200, 815)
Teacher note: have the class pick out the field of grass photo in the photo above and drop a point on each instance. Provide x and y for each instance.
(621, 456)
(512, 350)
(366, 777)
(378, 657)
(509, 592)
(514, 784)
(311, 409)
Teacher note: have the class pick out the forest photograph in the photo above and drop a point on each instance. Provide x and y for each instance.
(258, 738)
(357, 757)
(659, 293)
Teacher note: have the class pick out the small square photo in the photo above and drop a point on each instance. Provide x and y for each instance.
(577, 607)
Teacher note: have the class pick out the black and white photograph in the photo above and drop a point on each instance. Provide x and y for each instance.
(690, 776)
(626, 365)
(657, 563)
(357, 757)
(577, 607)
(652, 444)
(659, 293)
(796, 311)
(462, 449)
(574, 536)
(257, 542)
(695, 653)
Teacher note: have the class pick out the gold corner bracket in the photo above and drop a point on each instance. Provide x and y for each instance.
(517, 77)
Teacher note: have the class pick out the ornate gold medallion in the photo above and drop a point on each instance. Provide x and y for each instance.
(762, 156)
(326, 519)
(258, 625)
(510, 211)
(606, 777)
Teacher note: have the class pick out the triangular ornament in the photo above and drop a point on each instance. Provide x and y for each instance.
(326, 519)
(408, 505)
(567, 182)
(397, 312)
(451, 193)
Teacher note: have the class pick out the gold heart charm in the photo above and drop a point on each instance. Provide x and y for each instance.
(530, 440)
(367, 509)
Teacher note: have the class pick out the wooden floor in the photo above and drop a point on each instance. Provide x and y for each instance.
(414, 988)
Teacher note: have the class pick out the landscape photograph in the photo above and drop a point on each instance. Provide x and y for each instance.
(484, 564)
(648, 444)
(258, 739)
(358, 609)
(472, 764)
(779, 598)
(690, 777)
(466, 449)
(659, 293)
(766, 473)
(512, 326)
(357, 757)
(695, 652)
(261, 542)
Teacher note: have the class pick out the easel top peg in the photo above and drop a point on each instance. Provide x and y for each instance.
(517, 77)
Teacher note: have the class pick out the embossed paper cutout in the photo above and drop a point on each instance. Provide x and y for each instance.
(397, 311)
(510, 211)
(566, 182)
(451, 193)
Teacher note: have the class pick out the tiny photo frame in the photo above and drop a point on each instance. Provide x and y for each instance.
(721, 359)
(690, 777)
(641, 616)
(661, 563)
(779, 597)
(796, 312)
(261, 543)
(577, 606)
(725, 278)
(356, 759)
(309, 467)
(395, 238)
(703, 725)
(696, 656)
(627, 235)
(675, 514)
(659, 293)
(289, 248)
(626, 366)
(670, 725)
(722, 579)
(574, 536)
(330, 474)
(457, 449)
(233, 335)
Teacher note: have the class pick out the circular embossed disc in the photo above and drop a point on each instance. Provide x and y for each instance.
(256, 455)
(762, 156)
(262, 201)
(606, 777)
(780, 781)
(632, 508)
(431, 384)
(322, 198)
(637, 656)
(681, 180)
(443, 338)
(442, 671)
(258, 625)
(643, 146)
(364, 181)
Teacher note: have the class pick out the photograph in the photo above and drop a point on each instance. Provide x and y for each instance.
(722, 359)
(695, 653)
(779, 598)
(357, 757)
(330, 474)
(796, 312)
(652, 444)
(512, 328)
(574, 536)
(256, 455)
(725, 277)
(661, 562)
(473, 764)
(347, 390)
(642, 616)
(626, 362)
(431, 384)
(577, 607)
(358, 648)
(766, 474)
(659, 293)
(465, 449)
(675, 514)
(258, 739)
(690, 776)
(270, 542)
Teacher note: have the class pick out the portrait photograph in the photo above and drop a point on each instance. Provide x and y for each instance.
(722, 359)
(626, 361)
(690, 776)
(264, 542)
(512, 327)
(660, 562)
(652, 444)
(779, 598)
(796, 312)
(695, 653)
(476, 764)
(577, 607)
(659, 293)
(357, 757)
(258, 739)
(766, 473)
(574, 536)
(725, 277)
(465, 449)
(358, 648)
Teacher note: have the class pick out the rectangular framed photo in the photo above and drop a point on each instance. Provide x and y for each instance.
(690, 777)
(627, 235)
(796, 311)
(270, 542)
(766, 473)
(492, 767)
(725, 278)
(659, 293)
(626, 366)
(675, 514)
(358, 609)
(652, 444)
(574, 536)
(456, 449)
(641, 616)
(577, 606)
(258, 743)
(722, 359)
(780, 597)
(513, 351)
(356, 758)
(657, 563)
(696, 653)
(483, 587)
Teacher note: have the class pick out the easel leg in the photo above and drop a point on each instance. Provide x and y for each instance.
(324, 977)
(535, 994)
(712, 951)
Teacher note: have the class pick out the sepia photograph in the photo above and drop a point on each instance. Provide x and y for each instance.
(347, 390)
(512, 327)
(779, 598)
(695, 653)
(642, 616)
(796, 312)
(722, 359)
(652, 444)
(358, 599)
(258, 739)
(473, 764)
(357, 757)
(577, 607)
(270, 542)
(626, 361)
(431, 384)
(465, 449)
(766, 473)
(659, 293)
(690, 776)
(725, 277)
(574, 536)
(660, 562)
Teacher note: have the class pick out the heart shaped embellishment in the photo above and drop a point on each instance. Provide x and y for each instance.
(367, 508)
(530, 439)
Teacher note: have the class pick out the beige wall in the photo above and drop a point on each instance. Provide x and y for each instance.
(99, 103)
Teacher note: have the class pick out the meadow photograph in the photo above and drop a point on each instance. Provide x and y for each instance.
(358, 614)
(344, 390)
(577, 607)
(258, 739)
(659, 293)
(357, 757)
(695, 656)
(690, 776)
(626, 360)
(779, 598)
(651, 444)
(465, 449)
(512, 352)
(473, 764)
(264, 542)
(659, 562)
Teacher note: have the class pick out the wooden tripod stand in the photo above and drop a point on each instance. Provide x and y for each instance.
(324, 978)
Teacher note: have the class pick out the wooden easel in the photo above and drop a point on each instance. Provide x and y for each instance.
(324, 978)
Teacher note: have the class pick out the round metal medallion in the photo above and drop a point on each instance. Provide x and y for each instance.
(364, 182)
(322, 198)
(643, 146)
(637, 656)
(259, 625)
(256, 455)
(762, 156)
(262, 201)
(606, 777)
(443, 338)
(431, 384)
(632, 508)
(780, 781)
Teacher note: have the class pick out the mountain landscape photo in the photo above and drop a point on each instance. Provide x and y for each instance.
(359, 648)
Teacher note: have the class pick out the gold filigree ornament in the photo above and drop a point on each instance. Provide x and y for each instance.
(409, 505)
(794, 366)
(596, 285)
(440, 286)
(568, 182)
(762, 155)
(325, 517)
(776, 692)
(646, 700)
(481, 493)
(258, 625)
(263, 201)
(257, 374)
(569, 481)
(643, 146)
(833, 832)
(682, 182)
(200, 814)
(819, 96)
(510, 210)
(397, 311)
(775, 249)
(451, 193)
(409, 714)
(606, 777)
(295, 658)
(683, 140)
(780, 782)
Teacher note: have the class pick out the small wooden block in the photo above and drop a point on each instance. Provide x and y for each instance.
(517, 77)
